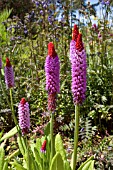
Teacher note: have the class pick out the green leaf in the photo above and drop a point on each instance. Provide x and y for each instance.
(37, 156)
(1, 133)
(72, 160)
(48, 150)
(32, 162)
(21, 145)
(9, 134)
(57, 162)
(59, 146)
(90, 158)
(39, 166)
(32, 146)
(2, 156)
(87, 165)
(67, 165)
(18, 166)
(5, 167)
(92, 165)
(4, 15)
(47, 129)
(38, 145)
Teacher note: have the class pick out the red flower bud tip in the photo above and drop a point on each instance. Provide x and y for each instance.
(23, 101)
(79, 44)
(8, 64)
(51, 50)
(75, 33)
(43, 148)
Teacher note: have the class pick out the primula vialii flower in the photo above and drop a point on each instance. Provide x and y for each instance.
(43, 148)
(24, 116)
(0, 63)
(78, 70)
(9, 74)
(52, 67)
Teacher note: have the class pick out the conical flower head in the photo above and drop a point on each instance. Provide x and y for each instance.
(0, 63)
(24, 116)
(51, 50)
(9, 74)
(43, 148)
(78, 70)
(52, 67)
(75, 34)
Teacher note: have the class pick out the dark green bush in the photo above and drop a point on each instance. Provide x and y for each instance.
(19, 7)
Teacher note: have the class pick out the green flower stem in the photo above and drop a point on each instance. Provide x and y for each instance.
(12, 109)
(4, 92)
(43, 163)
(51, 134)
(76, 131)
(27, 154)
(14, 117)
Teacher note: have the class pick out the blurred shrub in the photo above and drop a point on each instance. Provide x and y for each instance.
(20, 7)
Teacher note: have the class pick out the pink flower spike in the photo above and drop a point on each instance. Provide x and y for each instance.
(78, 70)
(52, 68)
(9, 74)
(24, 116)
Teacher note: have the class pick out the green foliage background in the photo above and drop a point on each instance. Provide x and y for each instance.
(28, 50)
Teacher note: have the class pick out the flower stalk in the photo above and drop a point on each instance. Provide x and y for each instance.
(12, 109)
(51, 133)
(52, 67)
(76, 132)
(27, 154)
(78, 86)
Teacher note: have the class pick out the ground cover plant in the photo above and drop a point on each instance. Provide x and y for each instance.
(52, 60)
